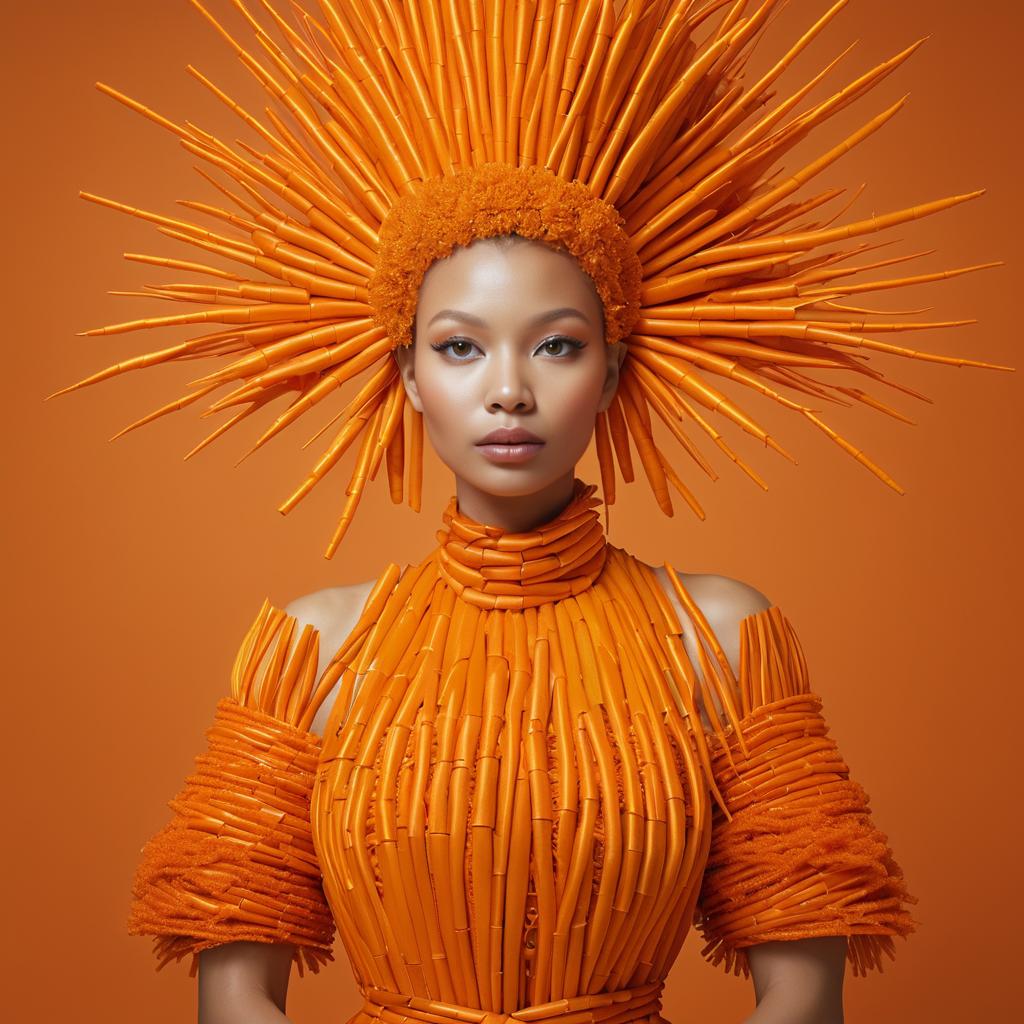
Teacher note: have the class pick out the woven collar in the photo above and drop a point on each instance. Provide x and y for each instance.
(495, 568)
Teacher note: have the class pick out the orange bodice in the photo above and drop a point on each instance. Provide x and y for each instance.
(512, 813)
(526, 794)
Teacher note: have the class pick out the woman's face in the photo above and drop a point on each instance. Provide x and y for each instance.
(509, 336)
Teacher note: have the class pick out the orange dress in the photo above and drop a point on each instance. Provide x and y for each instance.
(523, 811)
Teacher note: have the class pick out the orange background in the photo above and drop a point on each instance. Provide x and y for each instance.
(132, 574)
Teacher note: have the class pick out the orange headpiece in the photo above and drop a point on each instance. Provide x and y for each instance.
(621, 132)
(499, 199)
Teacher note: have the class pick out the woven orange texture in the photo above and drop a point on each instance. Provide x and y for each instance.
(237, 861)
(798, 855)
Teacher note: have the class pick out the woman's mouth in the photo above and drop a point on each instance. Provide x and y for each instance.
(521, 451)
(510, 444)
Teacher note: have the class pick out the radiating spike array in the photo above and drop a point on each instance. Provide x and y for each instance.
(644, 103)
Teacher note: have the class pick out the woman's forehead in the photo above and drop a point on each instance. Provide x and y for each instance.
(492, 274)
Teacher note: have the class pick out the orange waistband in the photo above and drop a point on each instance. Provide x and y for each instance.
(618, 1007)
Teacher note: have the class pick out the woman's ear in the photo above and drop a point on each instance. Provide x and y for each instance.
(405, 356)
(616, 353)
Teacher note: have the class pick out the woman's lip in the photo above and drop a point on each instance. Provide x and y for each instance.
(521, 438)
(521, 451)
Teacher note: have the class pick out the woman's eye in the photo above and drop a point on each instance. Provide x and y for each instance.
(458, 347)
(561, 343)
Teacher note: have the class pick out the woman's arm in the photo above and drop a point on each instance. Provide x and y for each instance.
(244, 983)
(798, 982)
(247, 982)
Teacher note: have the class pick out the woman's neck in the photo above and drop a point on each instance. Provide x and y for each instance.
(515, 513)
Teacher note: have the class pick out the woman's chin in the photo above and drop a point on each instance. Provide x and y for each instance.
(512, 479)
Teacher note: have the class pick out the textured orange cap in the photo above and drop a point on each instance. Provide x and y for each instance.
(500, 199)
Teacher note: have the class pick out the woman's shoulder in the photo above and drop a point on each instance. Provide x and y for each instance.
(717, 596)
(723, 601)
(333, 612)
(720, 598)
(329, 609)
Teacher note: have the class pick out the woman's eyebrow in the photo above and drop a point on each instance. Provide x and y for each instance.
(544, 318)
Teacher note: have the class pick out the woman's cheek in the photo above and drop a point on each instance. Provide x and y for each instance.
(578, 408)
(445, 416)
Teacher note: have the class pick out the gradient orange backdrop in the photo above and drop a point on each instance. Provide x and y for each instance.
(132, 574)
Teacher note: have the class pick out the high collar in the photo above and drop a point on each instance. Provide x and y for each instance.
(495, 568)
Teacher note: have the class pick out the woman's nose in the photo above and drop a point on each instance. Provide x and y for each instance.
(507, 385)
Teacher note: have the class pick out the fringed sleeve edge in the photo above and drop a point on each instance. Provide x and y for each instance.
(237, 860)
(798, 856)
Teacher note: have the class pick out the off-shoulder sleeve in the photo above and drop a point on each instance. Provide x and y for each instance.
(798, 854)
(236, 861)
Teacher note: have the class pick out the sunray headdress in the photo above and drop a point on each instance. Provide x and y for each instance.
(400, 130)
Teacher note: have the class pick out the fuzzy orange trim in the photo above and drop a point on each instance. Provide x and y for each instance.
(800, 856)
(500, 199)
(237, 861)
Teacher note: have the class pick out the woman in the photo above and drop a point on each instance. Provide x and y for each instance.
(514, 774)
(509, 335)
